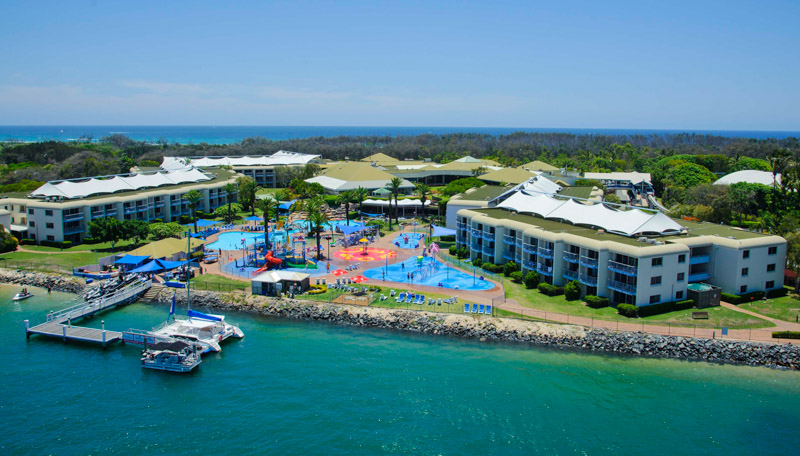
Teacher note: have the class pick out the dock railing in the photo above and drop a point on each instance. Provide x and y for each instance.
(100, 303)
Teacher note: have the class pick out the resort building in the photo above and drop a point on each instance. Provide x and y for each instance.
(630, 256)
(62, 210)
(263, 169)
(351, 175)
(433, 173)
(508, 176)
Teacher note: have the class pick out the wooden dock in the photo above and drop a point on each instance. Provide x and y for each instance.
(59, 324)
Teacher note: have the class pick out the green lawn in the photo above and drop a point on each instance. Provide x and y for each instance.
(121, 246)
(63, 262)
(717, 318)
(786, 308)
(218, 283)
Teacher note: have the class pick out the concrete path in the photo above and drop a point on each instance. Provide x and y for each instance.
(781, 325)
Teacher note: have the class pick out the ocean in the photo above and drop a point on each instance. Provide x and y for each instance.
(227, 135)
(292, 387)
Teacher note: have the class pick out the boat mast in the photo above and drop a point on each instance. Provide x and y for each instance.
(188, 269)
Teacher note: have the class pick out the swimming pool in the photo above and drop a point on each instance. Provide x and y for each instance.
(431, 273)
(409, 240)
(232, 240)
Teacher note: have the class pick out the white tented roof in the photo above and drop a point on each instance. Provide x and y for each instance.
(748, 175)
(280, 157)
(82, 188)
(541, 184)
(626, 223)
(339, 185)
(633, 177)
(280, 275)
(400, 203)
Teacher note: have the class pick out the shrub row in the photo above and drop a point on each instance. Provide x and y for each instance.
(786, 335)
(572, 291)
(516, 276)
(532, 280)
(58, 244)
(664, 307)
(628, 310)
(754, 296)
(550, 290)
(26, 241)
(596, 302)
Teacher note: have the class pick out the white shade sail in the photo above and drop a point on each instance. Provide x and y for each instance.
(82, 188)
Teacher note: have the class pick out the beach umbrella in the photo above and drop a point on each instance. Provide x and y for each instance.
(339, 272)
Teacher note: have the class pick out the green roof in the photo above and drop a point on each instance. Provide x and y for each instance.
(355, 172)
(485, 193)
(508, 175)
(576, 192)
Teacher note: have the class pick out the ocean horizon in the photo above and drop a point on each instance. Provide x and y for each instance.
(234, 134)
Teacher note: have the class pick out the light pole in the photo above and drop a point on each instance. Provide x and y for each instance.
(328, 238)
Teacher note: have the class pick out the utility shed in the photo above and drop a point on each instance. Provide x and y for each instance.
(704, 295)
(271, 282)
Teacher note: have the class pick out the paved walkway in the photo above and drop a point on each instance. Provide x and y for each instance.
(780, 324)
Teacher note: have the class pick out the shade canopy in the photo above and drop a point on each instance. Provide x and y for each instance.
(348, 230)
(132, 259)
(81, 188)
(442, 231)
(287, 205)
(254, 218)
(159, 266)
(202, 223)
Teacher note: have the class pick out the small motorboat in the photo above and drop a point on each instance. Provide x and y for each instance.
(174, 356)
(24, 294)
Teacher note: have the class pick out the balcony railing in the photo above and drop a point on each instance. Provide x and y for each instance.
(586, 279)
(129, 210)
(73, 217)
(95, 215)
(569, 274)
(487, 236)
(622, 268)
(508, 255)
(508, 239)
(699, 259)
(546, 253)
(546, 270)
(518, 242)
(111, 212)
(476, 232)
(528, 248)
(571, 257)
(74, 229)
(527, 264)
(622, 287)
(159, 204)
(476, 246)
(588, 262)
(488, 250)
(698, 277)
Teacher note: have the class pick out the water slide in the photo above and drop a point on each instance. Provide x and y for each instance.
(270, 260)
(655, 203)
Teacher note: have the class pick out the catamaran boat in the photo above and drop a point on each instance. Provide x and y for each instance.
(174, 356)
(24, 294)
(207, 329)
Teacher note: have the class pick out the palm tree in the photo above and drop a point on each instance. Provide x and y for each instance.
(267, 205)
(359, 195)
(311, 206)
(394, 188)
(346, 197)
(193, 197)
(230, 190)
(424, 192)
(318, 218)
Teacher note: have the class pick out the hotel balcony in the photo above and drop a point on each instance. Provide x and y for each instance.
(518, 242)
(141, 208)
(546, 253)
(476, 246)
(622, 268)
(111, 212)
(586, 279)
(569, 274)
(588, 262)
(699, 277)
(73, 230)
(159, 204)
(528, 248)
(571, 257)
(527, 264)
(699, 259)
(508, 239)
(622, 287)
(97, 214)
(73, 217)
(476, 232)
(508, 255)
(129, 210)
(546, 270)
(487, 236)
(488, 250)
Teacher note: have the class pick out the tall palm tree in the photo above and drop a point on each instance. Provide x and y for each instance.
(359, 195)
(267, 205)
(346, 197)
(193, 197)
(318, 218)
(424, 192)
(394, 188)
(311, 206)
(230, 190)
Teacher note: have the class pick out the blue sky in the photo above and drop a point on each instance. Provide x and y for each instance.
(574, 64)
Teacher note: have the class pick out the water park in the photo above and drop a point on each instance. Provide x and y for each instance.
(427, 271)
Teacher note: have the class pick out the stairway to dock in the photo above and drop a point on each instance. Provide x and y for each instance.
(151, 294)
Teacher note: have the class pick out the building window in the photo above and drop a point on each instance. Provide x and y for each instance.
(743, 289)
(48, 225)
(30, 211)
(770, 284)
(745, 272)
(772, 250)
(681, 276)
(51, 237)
(658, 261)
(746, 254)
(31, 223)
(655, 299)
(48, 212)
(771, 267)
(682, 258)
(655, 280)
(678, 295)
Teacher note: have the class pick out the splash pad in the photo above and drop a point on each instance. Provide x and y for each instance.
(366, 255)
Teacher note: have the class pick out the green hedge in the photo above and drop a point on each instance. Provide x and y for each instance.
(550, 290)
(572, 291)
(596, 302)
(628, 310)
(27, 241)
(516, 276)
(57, 244)
(741, 299)
(664, 307)
(447, 238)
(532, 280)
(786, 335)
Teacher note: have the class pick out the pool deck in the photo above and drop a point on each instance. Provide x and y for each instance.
(385, 242)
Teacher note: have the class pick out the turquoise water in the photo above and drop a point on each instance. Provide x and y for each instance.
(408, 240)
(313, 388)
(232, 240)
(424, 274)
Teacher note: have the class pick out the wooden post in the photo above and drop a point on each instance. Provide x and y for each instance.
(103, 326)
(64, 332)
(27, 329)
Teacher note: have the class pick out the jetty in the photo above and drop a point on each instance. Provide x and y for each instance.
(59, 324)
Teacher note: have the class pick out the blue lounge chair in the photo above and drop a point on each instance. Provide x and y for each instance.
(466, 308)
(480, 309)
(401, 296)
(421, 299)
(410, 298)
(474, 308)
(488, 309)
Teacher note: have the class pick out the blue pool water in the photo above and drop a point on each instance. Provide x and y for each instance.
(409, 240)
(430, 273)
(232, 240)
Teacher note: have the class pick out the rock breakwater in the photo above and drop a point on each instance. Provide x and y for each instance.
(43, 280)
